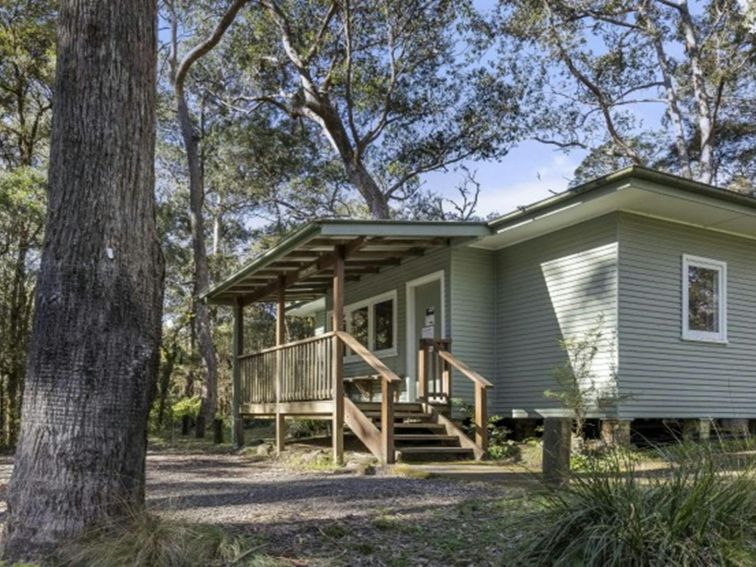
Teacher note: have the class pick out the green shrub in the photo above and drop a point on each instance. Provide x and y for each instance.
(146, 540)
(301, 428)
(699, 510)
(501, 448)
(186, 407)
(602, 459)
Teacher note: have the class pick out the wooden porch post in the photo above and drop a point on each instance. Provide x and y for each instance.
(387, 421)
(446, 373)
(481, 417)
(280, 339)
(237, 430)
(422, 371)
(338, 355)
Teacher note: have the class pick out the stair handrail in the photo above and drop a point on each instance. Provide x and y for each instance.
(464, 369)
(367, 356)
(481, 392)
(388, 381)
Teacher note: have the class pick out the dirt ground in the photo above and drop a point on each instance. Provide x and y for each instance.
(324, 518)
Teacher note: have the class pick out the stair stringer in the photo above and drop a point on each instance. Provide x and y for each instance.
(452, 429)
(363, 427)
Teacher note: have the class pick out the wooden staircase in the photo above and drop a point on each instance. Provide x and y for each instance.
(422, 433)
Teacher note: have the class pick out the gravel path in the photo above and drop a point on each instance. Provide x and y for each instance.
(303, 518)
(228, 489)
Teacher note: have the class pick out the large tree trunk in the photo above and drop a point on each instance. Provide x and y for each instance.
(96, 333)
(321, 111)
(375, 199)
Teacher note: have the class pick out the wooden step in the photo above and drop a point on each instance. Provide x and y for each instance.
(432, 453)
(400, 415)
(420, 425)
(398, 406)
(424, 437)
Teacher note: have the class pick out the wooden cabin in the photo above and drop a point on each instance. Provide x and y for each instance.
(412, 315)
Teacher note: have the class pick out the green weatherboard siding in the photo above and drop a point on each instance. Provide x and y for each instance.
(663, 375)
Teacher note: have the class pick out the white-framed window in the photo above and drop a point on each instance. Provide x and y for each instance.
(373, 322)
(704, 301)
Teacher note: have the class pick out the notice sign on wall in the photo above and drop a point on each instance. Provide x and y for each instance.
(429, 324)
(430, 317)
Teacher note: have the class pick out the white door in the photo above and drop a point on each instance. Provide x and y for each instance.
(425, 314)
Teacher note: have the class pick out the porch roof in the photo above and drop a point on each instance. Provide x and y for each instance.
(302, 262)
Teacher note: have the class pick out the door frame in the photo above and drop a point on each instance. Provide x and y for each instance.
(411, 339)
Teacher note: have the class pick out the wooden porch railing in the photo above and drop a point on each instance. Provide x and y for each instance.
(434, 366)
(306, 371)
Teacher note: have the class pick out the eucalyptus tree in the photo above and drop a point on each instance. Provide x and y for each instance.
(663, 83)
(180, 67)
(96, 332)
(385, 83)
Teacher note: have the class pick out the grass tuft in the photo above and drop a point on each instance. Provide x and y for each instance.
(699, 510)
(142, 539)
(408, 471)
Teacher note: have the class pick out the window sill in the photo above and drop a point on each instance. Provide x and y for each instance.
(708, 340)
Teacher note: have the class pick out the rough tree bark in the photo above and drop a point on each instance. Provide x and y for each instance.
(96, 333)
(191, 139)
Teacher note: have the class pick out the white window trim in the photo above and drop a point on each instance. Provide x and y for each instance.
(370, 304)
(721, 268)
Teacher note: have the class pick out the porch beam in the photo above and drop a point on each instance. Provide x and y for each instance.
(324, 262)
(280, 339)
(377, 254)
(337, 365)
(373, 262)
(325, 244)
(362, 269)
(237, 348)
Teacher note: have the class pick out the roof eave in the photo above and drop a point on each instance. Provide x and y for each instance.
(297, 238)
(619, 176)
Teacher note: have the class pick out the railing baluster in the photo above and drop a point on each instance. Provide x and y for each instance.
(304, 373)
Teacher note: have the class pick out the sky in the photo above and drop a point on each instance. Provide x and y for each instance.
(528, 173)
(525, 175)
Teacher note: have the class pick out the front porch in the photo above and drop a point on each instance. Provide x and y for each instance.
(307, 378)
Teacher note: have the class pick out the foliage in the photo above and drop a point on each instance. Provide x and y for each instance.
(579, 390)
(699, 511)
(601, 458)
(22, 212)
(299, 428)
(186, 407)
(27, 40)
(143, 539)
(27, 56)
(383, 88)
(500, 447)
(664, 84)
